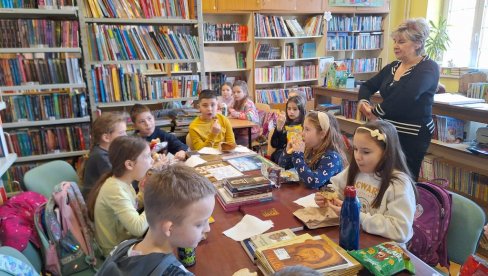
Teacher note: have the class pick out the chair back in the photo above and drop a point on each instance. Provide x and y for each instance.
(464, 232)
(43, 178)
(22, 264)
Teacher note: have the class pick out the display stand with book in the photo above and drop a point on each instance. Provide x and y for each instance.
(42, 85)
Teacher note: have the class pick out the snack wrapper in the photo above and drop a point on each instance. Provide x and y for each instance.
(157, 146)
(385, 259)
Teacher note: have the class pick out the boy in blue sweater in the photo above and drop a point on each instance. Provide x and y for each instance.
(145, 126)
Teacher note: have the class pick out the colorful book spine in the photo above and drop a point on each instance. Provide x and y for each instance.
(285, 73)
(135, 9)
(271, 96)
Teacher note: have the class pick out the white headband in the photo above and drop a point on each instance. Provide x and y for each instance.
(375, 133)
(324, 121)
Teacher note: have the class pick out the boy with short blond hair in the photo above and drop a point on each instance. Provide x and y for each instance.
(210, 129)
(145, 126)
(178, 203)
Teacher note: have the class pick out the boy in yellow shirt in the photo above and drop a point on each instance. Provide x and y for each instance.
(210, 129)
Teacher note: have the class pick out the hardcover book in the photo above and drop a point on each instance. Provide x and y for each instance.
(272, 237)
(315, 254)
(246, 163)
(247, 182)
(275, 211)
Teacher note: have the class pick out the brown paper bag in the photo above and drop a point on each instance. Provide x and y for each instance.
(314, 217)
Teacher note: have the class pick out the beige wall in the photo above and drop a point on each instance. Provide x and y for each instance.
(429, 9)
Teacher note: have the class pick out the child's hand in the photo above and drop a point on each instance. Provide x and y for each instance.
(486, 231)
(320, 200)
(334, 204)
(181, 155)
(161, 162)
(280, 122)
(289, 147)
(216, 128)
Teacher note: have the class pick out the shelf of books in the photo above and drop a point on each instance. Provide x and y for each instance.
(228, 48)
(287, 49)
(356, 42)
(467, 172)
(42, 85)
(130, 48)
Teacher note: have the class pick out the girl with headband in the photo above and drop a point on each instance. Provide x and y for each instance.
(319, 153)
(383, 184)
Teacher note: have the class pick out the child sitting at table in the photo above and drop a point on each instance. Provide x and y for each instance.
(383, 183)
(243, 109)
(105, 129)
(112, 203)
(145, 126)
(210, 128)
(178, 204)
(226, 96)
(318, 154)
(287, 125)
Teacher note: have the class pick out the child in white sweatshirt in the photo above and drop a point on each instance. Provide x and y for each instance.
(384, 187)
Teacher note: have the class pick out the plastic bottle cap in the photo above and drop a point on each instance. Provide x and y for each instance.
(350, 191)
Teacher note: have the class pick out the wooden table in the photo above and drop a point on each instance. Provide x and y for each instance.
(238, 124)
(220, 255)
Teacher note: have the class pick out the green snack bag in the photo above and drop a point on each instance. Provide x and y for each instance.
(384, 259)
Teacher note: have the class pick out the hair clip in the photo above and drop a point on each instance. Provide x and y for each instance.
(375, 133)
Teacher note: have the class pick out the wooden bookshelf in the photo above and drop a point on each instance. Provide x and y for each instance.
(367, 46)
(42, 87)
(6, 162)
(237, 25)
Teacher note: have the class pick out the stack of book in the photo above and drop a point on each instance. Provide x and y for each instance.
(239, 191)
(318, 253)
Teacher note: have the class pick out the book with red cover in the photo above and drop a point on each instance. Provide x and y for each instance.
(275, 211)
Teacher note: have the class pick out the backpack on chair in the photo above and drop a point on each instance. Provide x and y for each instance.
(66, 232)
(432, 218)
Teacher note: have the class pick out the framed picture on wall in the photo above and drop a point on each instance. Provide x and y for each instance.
(356, 3)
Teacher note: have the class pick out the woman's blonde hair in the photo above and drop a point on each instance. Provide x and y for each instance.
(416, 30)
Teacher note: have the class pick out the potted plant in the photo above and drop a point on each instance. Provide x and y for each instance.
(438, 41)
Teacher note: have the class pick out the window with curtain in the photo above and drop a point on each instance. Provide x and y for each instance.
(468, 30)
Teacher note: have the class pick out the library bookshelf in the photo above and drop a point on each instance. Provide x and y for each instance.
(228, 48)
(287, 49)
(147, 53)
(467, 173)
(356, 38)
(45, 114)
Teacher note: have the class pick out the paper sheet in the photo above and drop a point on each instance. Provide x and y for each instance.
(224, 172)
(208, 150)
(194, 161)
(242, 149)
(307, 201)
(248, 227)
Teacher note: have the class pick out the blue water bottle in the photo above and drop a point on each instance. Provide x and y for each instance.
(349, 225)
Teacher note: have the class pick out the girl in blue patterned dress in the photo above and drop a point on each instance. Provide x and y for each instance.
(319, 154)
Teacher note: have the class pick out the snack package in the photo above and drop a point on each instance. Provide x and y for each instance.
(474, 265)
(157, 146)
(328, 193)
(384, 259)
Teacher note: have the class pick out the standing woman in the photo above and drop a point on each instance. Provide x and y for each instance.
(407, 87)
